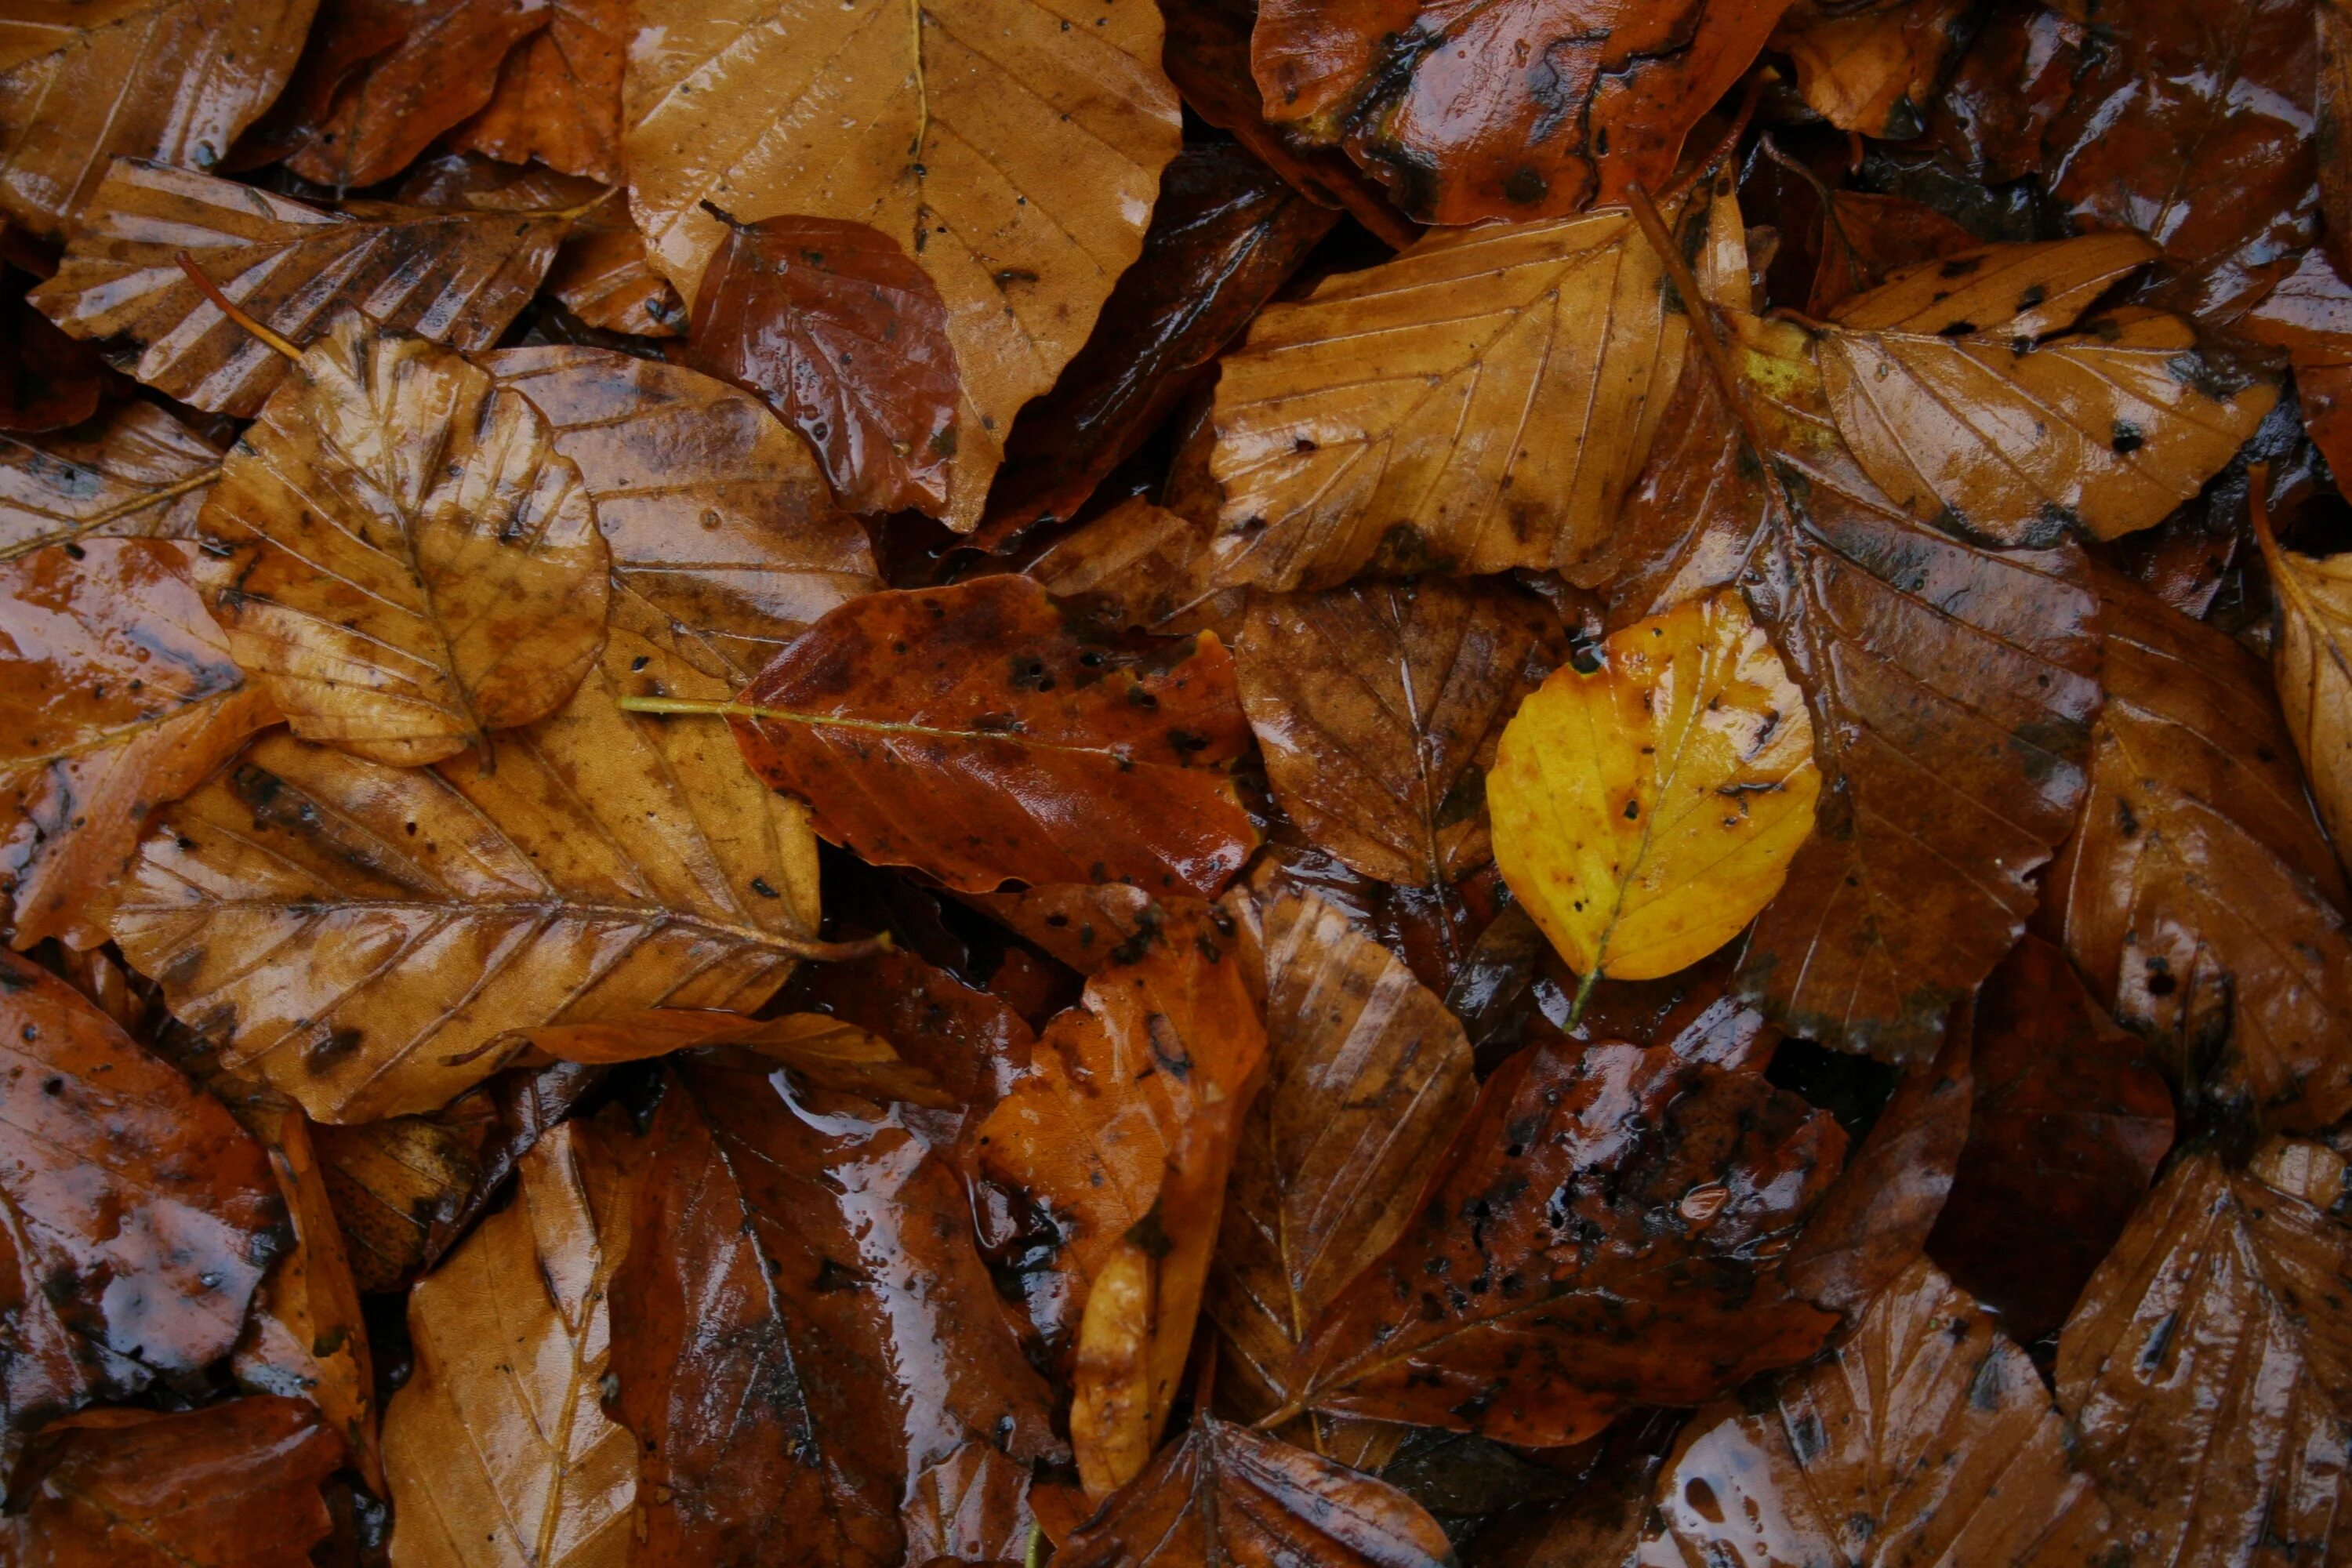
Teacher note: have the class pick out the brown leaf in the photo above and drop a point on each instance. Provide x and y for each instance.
(847, 337)
(498, 1446)
(966, 1039)
(1928, 1438)
(399, 554)
(230, 1485)
(822, 1052)
(136, 1217)
(2334, 102)
(1379, 708)
(1016, 161)
(1866, 238)
(725, 540)
(392, 1182)
(2207, 1370)
(1877, 70)
(176, 81)
(2312, 664)
(2015, 79)
(2310, 315)
(558, 98)
(822, 1338)
(1143, 567)
(458, 278)
(2069, 1124)
(2199, 896)
(1228, 1495)
(121, 695)
(972, 732)
(48, 381)
(136, 473)
(1544, 128)
(1080, 923)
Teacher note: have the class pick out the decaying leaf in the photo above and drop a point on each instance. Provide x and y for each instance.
(2312, 666)
(2207, 1370)
(458, 278)
(558, 98)
(1015, 158)
(1571, 100)
(965, 1038)
(136, 1216)
(975, 733)
(136, 473)
(1928, 1438)
(2015, 79)
(401, 555)
(117, 693)
(395, 1181)
(1874, 70)
(1644, 813)
(175, 81)
(847, 337)
(498, 1448)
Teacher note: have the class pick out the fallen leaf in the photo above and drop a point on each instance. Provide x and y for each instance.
(1013, 158)
(1377, 707)
(119, 695)
(498, 1448)
(2015, 79)
(2333, 101)
(822, 1052)
(139, 1217)
(725, 540)
(1574, 101)
(360, 966)
(1873, 70)
(392, 1182)
(48, 381)
(136, 473)
(2206, 1371)
(1143, 567)
(824, 1335)
(2310, 315)
(1644, 812)
(2199, 897)
(234, 1485)
(2313, 666)
(1867, 238)
(969, 1041)
(2069, 1124)
(400, 556)
(1228, 1495)
(1928, 1437)
(973, 733)
(175, 81)
(558, 98)
(2104, 431)
(1083, 924)
(458, 278)
(847, 337)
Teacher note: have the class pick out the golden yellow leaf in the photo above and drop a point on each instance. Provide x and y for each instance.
(1644, 813)
(1015, 154)
(2312, 663)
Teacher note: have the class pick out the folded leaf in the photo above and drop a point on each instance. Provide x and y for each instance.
(444, 68)
(1875, 72)
(137, 473)
(393, 1182)
(558, 98)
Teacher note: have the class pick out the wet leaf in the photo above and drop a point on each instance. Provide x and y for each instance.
(1227, 1494)
(1644, 813)
(966, 1039)
(116, 694)
(138, 472)
(847, 337)
(458, 278)
(558, 98)
(1143, 567)
(359, 965)
(1875, 69)
(498, 1447)
(395, 1181)
(2208, 1370)
(401, 555)
(975, 733)
(140, 1215)
(1013, 158)
(1928, 1438)
(2199, 897)
(822, 1052)
(230, 1485)
(822, 1341)
(1570, 101)
(2015, 79)
(176, 81)
(48, 381)
(2313, 666)
(1866, 238)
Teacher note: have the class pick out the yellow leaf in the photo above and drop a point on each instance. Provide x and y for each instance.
(1644, 813)
(2314, 667)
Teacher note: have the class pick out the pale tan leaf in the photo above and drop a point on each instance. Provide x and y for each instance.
(139, 473)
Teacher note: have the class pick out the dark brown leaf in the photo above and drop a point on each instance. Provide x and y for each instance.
(48, 381)
(1143, 567)
(2014, 80)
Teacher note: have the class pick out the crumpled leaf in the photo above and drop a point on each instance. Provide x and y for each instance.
(359, 966)
(2199, 896)
(1568, 101)
(2207, 1369)
(2105, 430)
(1379, 707)
(458, 278)
(137, 473)
(1228, 1495)
(1928, 1437)
(845, 336)
(400, 555)
(1644, 813)
(234, 1485)
(498, 1448)
(1013, 158)
(119, 695)
(973, 733)
(175, 81)
(1877, 70)
(821, 1337)
(558, 98)
(2313, 666)
(136, 1216)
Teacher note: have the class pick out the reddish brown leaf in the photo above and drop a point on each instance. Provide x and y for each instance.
(2014, 80)
(1865, 237)
(847, 337)
(1143, 567)
(1875, 70)
(2310, 315)
(393, 1182)
(970, 1040)
(48, 381)
(559, 95)
(822, 1052)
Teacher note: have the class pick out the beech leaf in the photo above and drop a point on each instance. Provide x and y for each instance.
(1874, 70)
(822, 1052)
(558, 98)
(136, 473)
(2313, 666)
(1141, 566)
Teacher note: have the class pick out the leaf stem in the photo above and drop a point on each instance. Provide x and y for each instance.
(1584, 995)
(229, 308)
(687, 705)
(1035, 1555)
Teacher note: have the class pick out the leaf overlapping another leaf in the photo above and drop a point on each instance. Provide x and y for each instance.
(136, 473)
